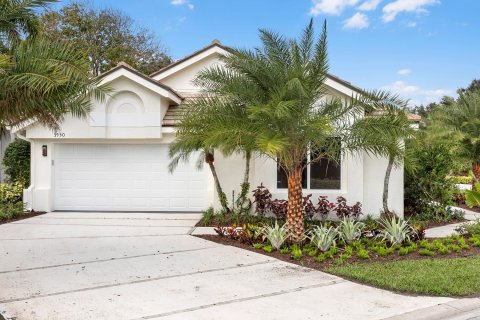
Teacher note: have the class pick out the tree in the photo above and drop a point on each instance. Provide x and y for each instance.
(107, 36)
(16, 161)
(281, 86)
(461, 122)
(387, 143)
(207, 126)
(40, 79)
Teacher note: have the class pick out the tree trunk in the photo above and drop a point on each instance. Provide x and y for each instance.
(294, 209)
(221, 195)
(385, 185)
(476, 174)
(243, 196)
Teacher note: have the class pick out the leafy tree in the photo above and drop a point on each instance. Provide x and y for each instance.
(107, 36)
(281, 86)
(40, 79)
(473, 87)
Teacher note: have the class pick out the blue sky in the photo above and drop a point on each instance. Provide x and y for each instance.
(421, 49)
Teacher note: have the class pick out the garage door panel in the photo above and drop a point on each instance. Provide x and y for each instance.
(125, 177)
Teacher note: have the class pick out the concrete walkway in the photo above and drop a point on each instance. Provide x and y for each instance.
(147, 266)
(449, 229)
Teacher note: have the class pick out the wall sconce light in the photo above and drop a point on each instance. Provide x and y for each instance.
(44, 150)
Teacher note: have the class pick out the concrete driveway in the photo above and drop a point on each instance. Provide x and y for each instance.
(66, 265)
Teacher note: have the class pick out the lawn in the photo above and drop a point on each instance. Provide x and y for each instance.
(439, 277)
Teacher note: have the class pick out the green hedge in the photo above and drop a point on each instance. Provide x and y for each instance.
(17, 161)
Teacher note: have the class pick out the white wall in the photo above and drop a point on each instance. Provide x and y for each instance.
(361, 180)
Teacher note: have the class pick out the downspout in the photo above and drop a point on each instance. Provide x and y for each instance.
(32, 166)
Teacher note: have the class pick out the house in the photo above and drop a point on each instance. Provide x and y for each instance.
(117, 158)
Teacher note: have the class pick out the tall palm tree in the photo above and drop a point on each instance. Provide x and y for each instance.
(281, 87)
(39, 79)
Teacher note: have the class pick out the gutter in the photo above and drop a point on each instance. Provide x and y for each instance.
(32, 166)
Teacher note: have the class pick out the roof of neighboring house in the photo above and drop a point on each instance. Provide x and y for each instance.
(124, 65)
(414, 117)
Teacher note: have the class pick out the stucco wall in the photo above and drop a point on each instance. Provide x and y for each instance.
(361, 180)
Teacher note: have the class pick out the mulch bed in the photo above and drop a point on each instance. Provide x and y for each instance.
(310, 262)
(23, 216)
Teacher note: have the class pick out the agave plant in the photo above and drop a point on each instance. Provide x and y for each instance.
(322, 237)
(350, 229)
(396, 230)
(276, 235)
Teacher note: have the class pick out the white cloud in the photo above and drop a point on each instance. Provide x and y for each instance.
(404, 72)
(182, 2)
(357, 21)
(334, 7)
(415, 94)
(411, 24)
(369, 5)
(391, 10)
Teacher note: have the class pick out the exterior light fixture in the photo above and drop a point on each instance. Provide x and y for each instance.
(44, 151)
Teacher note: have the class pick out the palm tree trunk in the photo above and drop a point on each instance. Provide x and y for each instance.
(385, 185)
(294, 209)
(242, 198)
(221, 195)
(475, 173)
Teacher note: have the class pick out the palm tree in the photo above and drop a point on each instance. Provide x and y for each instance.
(205, 126)
(39, 79)
(460, 122)
(281, 87)
(379, 141)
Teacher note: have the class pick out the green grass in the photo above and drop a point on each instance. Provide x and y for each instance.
(439, 277)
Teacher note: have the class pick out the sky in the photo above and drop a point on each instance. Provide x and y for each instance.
(420, 49)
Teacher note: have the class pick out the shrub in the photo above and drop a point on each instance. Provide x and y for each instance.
(265, 204)
(426, 252)
(428, 181)
(469, 228)
(11, 192)
(439, 213)
(363, 254)
(267, 248)
(258, 245)
(395, 230)
(11, 210)
(322, 237)
(285, 250)
(296, 252)
(350, 230)
(403, 251)
(16, 161)
(460, 179)
(472, 197)
(276, 235)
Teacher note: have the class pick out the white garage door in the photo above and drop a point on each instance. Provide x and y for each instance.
(125, 178)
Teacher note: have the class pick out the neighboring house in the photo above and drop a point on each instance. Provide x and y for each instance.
(117, 159)
(5, 138)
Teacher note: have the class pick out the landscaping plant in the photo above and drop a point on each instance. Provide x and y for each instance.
(350, 229)
(276, 235)
(396, 230)
(322, 237)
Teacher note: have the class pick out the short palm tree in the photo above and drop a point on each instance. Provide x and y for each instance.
(39, 79)
(390, 143)
(290, 113)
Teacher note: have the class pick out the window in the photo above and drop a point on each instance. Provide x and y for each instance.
(324, 173)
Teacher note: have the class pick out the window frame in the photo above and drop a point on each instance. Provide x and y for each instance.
(342, 170)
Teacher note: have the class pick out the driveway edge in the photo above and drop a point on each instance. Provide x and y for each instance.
(448, 310)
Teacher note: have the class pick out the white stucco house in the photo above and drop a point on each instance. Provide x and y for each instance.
(116, 160)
